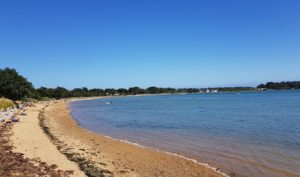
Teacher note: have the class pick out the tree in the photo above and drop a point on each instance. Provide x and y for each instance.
(270, 85)
(261, 86)
(122, 91)
(96, 92)
(135, 90)
(61, 92)
(45, 92)
(153, 90)
(110, 91)
(281, 85)
(167, 90)
(13, 85)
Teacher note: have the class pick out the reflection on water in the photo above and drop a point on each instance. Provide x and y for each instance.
(248, 134)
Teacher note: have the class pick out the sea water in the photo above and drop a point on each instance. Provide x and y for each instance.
(242, 133)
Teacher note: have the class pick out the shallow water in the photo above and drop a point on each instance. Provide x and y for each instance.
(247, 133)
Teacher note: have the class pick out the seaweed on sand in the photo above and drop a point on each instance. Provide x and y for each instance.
(84, 164)
(15, 164)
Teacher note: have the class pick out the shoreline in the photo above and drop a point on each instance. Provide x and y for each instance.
(252, 167)
(55, 139)
(181, 162)
(215, 169)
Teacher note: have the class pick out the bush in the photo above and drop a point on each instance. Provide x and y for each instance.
(6, 103)
(32, 100)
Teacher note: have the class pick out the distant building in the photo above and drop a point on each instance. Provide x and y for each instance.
(211, 91)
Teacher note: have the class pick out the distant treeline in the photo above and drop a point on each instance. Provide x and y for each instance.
(61, 92)
(16, 87)
(228, 89)
(280, 85)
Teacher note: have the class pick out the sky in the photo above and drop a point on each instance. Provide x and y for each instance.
(165, 43)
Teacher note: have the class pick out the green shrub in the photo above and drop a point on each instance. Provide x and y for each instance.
(32, 100)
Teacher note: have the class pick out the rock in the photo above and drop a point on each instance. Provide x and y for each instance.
(14, 119)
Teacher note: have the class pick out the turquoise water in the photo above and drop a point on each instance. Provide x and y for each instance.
(246, 134)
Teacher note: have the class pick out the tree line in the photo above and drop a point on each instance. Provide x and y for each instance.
(16, 87)
(280, 85)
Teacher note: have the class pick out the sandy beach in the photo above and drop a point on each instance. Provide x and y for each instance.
(28, 138)
(49, 134)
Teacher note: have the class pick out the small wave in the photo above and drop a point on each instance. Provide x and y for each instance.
(217, 170)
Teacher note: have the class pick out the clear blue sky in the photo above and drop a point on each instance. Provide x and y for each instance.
(186, 43)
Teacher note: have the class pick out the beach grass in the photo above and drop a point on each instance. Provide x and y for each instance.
(6, 103)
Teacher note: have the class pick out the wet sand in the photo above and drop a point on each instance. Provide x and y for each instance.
(115, 157)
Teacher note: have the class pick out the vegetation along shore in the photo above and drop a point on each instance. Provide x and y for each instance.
(17, 87)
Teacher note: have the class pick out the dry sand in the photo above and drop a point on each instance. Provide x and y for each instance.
(29, 139)
(61, 140)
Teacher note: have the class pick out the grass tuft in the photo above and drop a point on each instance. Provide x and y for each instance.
(6, 103)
